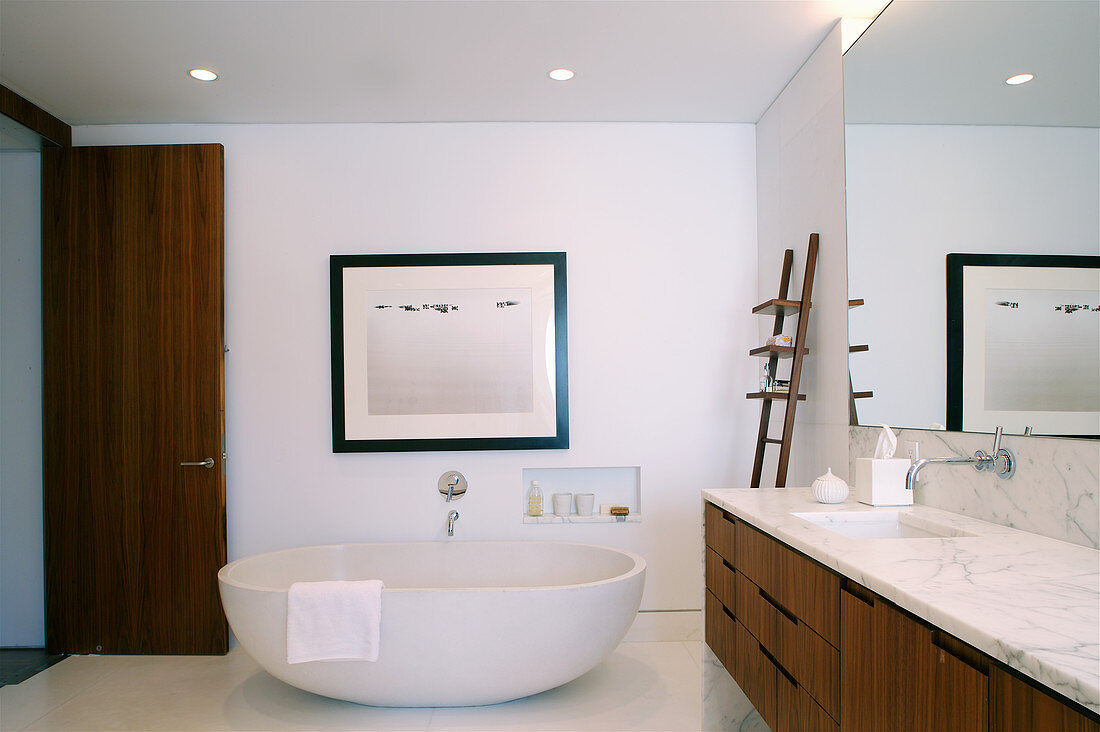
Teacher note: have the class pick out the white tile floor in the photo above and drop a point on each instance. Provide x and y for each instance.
(641, 686)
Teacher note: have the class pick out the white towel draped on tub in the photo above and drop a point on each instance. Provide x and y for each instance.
(333, 621)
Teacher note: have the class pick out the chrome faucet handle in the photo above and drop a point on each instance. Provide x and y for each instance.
(452, 485)
(1001, 460)
(1004, 463)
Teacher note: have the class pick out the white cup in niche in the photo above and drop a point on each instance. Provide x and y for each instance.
(563, 504)
(585, 502)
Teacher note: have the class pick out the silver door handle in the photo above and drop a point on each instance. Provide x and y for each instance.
(207, 463)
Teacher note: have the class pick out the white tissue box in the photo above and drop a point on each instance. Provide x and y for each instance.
(881, 482)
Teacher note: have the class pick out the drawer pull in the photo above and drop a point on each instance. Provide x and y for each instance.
(859, 592)
(957, 651)
(775, 603)
(729, 566)
(778, 665)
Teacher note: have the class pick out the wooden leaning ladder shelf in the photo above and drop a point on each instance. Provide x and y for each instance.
(780, 307)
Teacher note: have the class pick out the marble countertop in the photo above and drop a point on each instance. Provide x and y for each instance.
(1028, 601)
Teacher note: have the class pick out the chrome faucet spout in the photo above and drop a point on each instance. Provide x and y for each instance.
(451, 518)
(1001, 462)
(911, 476)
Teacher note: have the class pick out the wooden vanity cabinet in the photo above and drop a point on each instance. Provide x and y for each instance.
(816, 651)
(898, 673)
(764, 613)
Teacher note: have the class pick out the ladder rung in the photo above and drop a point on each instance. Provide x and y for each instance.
(770, 441)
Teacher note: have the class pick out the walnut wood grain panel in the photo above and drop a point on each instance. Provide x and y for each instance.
(811, 660)
(133, 352)
(798, 584)
(903, 675)
(721, 633)
(924, 687)
(757, 557)
(34, 118)
(798, 712)
(858, 682)
(776, 629)
(756, 675)
(814, 595)
(960, 696)
(1019, 707)
(817, 667)
(748, 609)
(721, 532)
(721, 580)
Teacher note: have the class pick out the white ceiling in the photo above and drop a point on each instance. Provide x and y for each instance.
(116, 61)
(945, 62)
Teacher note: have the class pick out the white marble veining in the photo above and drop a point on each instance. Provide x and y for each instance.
(1053, 493)
(1026, 600)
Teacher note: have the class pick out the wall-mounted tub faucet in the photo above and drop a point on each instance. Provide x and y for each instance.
(452, 484)
(1001, 462)
(451, 518)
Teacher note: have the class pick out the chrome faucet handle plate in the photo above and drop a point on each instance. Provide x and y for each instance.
(452, 485)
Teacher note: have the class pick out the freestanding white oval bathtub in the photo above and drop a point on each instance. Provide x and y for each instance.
(463, 623)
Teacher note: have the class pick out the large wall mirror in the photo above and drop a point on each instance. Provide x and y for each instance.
(944, 157)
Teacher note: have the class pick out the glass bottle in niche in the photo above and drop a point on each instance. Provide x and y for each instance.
(534, 499)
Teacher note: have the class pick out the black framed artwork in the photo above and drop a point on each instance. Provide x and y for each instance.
(1023, 343)
(449, 352)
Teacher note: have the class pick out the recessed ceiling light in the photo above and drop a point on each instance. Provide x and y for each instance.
(561, 74)
(203, 74)
(1019, 79)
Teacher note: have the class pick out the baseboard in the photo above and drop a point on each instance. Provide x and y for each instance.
(666, 625)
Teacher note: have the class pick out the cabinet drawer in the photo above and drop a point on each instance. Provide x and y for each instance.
(757, 556)
(806, 589)
(798, 712)
(773, 628)
(815, 596)
(817, 667)
(814, 663)
(756, 675)
(720, 532)
(721, 632)
(721, 579)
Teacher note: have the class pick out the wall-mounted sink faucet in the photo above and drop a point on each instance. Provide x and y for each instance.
(451, 518)
(1001, 462)
(452, 484)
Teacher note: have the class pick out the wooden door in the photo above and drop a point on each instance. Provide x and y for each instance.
(925, 680)
(859, 684)
(1019, 707)
(133, 380)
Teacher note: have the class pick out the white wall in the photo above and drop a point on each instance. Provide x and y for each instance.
(659, 222)
(800, 189)
(22, 620)
(918, 192)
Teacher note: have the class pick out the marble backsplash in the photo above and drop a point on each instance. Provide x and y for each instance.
(1053, 493)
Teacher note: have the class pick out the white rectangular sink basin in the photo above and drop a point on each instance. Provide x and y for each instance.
(881, 525)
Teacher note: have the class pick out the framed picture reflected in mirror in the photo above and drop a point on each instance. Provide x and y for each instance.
(1023, 343)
